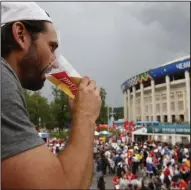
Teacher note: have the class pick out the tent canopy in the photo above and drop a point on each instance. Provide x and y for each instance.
(147, 122)
(121, 122)
(104, 132)
(96, 133)
(44, 135)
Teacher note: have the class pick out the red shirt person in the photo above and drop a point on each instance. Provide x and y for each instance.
(182, 185)
(115, 180)
(130, 176)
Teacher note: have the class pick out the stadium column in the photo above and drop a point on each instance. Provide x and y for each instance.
(134, 102)
(153, 99)
(187, 77)
(168, 99)
(125, 104)
(176, 108)
(142, 102)
(129, 104)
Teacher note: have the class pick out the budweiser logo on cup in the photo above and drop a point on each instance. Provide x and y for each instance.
(65, 77)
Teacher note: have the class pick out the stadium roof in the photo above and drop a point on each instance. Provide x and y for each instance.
(178, 65)
(177, 60)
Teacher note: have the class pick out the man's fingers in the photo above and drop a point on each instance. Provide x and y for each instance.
(85, 81)
(92, 84)
(97, 91)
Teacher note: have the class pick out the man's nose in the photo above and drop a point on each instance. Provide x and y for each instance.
(55, 64)
(54, 61)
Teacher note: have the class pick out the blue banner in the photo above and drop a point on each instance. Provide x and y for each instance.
(172, 68)
(172, 129)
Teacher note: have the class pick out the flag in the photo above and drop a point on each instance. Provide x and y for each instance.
(126, 125)
(131, 128)
(114, 125)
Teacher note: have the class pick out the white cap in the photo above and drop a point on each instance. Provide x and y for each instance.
(18, 11)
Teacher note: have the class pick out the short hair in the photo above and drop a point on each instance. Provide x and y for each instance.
(8, 43)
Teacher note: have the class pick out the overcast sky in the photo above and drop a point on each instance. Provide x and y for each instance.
(111, 42)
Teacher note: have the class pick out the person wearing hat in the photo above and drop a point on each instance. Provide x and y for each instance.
(28, 50)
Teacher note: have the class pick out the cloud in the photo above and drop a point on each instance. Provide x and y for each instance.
(112, 42)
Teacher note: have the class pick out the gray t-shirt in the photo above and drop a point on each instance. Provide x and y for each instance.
(18, 134)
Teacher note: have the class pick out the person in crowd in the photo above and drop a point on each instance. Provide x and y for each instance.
(134, 164)
(130, 176)
(120, 169)
(167, 176)
(99, 170)
(101, 183)
(157, 183)
(155, 164)
(115, 181)
(104, 164)
(123, 182)
(149, 165)
(111, 163)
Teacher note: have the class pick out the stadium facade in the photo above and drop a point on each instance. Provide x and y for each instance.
(160, 94)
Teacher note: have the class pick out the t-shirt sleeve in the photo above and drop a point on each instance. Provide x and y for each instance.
(18, 134)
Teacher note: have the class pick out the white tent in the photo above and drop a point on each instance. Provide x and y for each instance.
(104, 132)
(44, 135)
(96, 133)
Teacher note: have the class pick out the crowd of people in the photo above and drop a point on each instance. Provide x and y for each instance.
(55, 145)
(143, 165)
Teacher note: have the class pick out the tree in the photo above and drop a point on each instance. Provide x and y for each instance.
(118, 113)
(60, 109)
(103, 112)
(38, 108)
(57, 113)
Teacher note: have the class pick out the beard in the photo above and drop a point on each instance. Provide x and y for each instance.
(30, 70)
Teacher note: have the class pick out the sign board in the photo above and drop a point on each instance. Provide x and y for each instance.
(170, 129)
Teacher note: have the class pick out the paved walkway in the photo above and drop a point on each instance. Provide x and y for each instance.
(108, 179)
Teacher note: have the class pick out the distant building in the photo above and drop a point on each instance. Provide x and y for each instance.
(160, 94)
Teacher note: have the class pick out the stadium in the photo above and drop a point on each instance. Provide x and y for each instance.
(159, 94)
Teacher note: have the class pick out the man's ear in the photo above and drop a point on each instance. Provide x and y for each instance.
(21, 35)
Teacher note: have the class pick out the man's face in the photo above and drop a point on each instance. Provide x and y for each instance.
(40, 55)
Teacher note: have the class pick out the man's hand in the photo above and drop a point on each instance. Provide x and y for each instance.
(87, 103)
(78, 155)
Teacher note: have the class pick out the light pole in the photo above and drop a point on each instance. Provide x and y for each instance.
(112, 115)
(108, 115)
(110, 121)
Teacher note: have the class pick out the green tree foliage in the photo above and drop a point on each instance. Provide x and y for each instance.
(56, 114)
(38, 108)
(103, 113)
(118, 113)
(62, 135)
(60, 109)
